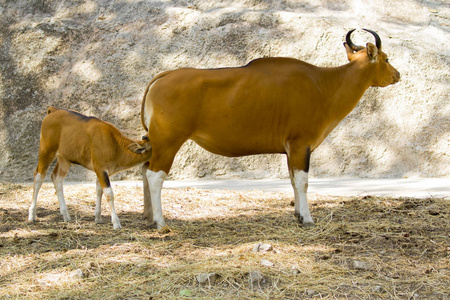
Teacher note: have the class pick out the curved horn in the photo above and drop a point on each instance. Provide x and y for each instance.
(349, 42)
(377, 38)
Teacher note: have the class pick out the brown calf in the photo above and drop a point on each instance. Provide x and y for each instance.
(71, 137)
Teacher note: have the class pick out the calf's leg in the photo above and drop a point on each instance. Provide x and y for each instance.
(58, 175)
(38, 179)
(105, 184)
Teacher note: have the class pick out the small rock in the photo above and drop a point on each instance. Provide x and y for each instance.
(76, 275)
(260, 247)
(361, 265)
(377, 289)
(255, 277)
(207, 278)
(267, 263)
(310, 292)
(433, 210)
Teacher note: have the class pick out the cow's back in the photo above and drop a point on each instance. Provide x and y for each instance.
(234, 111)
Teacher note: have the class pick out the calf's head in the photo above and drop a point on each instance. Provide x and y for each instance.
(141, 147)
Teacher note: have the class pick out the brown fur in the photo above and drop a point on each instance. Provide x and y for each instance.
(96, 145)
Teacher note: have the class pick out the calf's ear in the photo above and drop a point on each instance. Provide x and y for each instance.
(136, 148)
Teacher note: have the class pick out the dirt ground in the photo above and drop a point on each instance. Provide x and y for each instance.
(361, 247)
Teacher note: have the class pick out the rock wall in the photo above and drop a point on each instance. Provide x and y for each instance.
(98, 56)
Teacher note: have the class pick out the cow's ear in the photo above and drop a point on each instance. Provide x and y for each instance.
(372, 52)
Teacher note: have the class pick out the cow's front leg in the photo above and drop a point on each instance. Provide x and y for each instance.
(300, 185)
(298, 161)
(98, 203)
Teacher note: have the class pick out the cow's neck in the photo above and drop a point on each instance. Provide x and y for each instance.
(346, 86)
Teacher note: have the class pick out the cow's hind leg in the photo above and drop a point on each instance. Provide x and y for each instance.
(148, 211)
(159, 166)
(155, 182)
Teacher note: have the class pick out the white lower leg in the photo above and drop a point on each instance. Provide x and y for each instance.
(155, 181)
(301, 202)
(36, 187)
(110, 198)
(98, 203)
(58, 182)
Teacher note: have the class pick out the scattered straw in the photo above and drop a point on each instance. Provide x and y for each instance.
(361, 247)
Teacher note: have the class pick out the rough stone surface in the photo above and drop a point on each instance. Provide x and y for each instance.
(98, 56)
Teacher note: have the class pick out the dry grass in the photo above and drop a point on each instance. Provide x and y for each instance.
(361, 248)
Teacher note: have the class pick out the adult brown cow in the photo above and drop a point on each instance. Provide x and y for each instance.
(271, 105)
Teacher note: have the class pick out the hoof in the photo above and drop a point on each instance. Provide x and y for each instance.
(164, 230)
(300, 220)
(147, 216)
(309, 225)
(152, 225)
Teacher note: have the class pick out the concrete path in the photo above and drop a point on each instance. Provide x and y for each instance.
(404, 187)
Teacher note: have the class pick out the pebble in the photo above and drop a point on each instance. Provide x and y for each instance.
(207, 278)
(255, 277)
(361, 265)
(260, 247)
(433, 210)
(377, 289)
(267, 263)
(76, 275)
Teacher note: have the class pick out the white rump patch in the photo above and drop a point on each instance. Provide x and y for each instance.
(148, 108)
